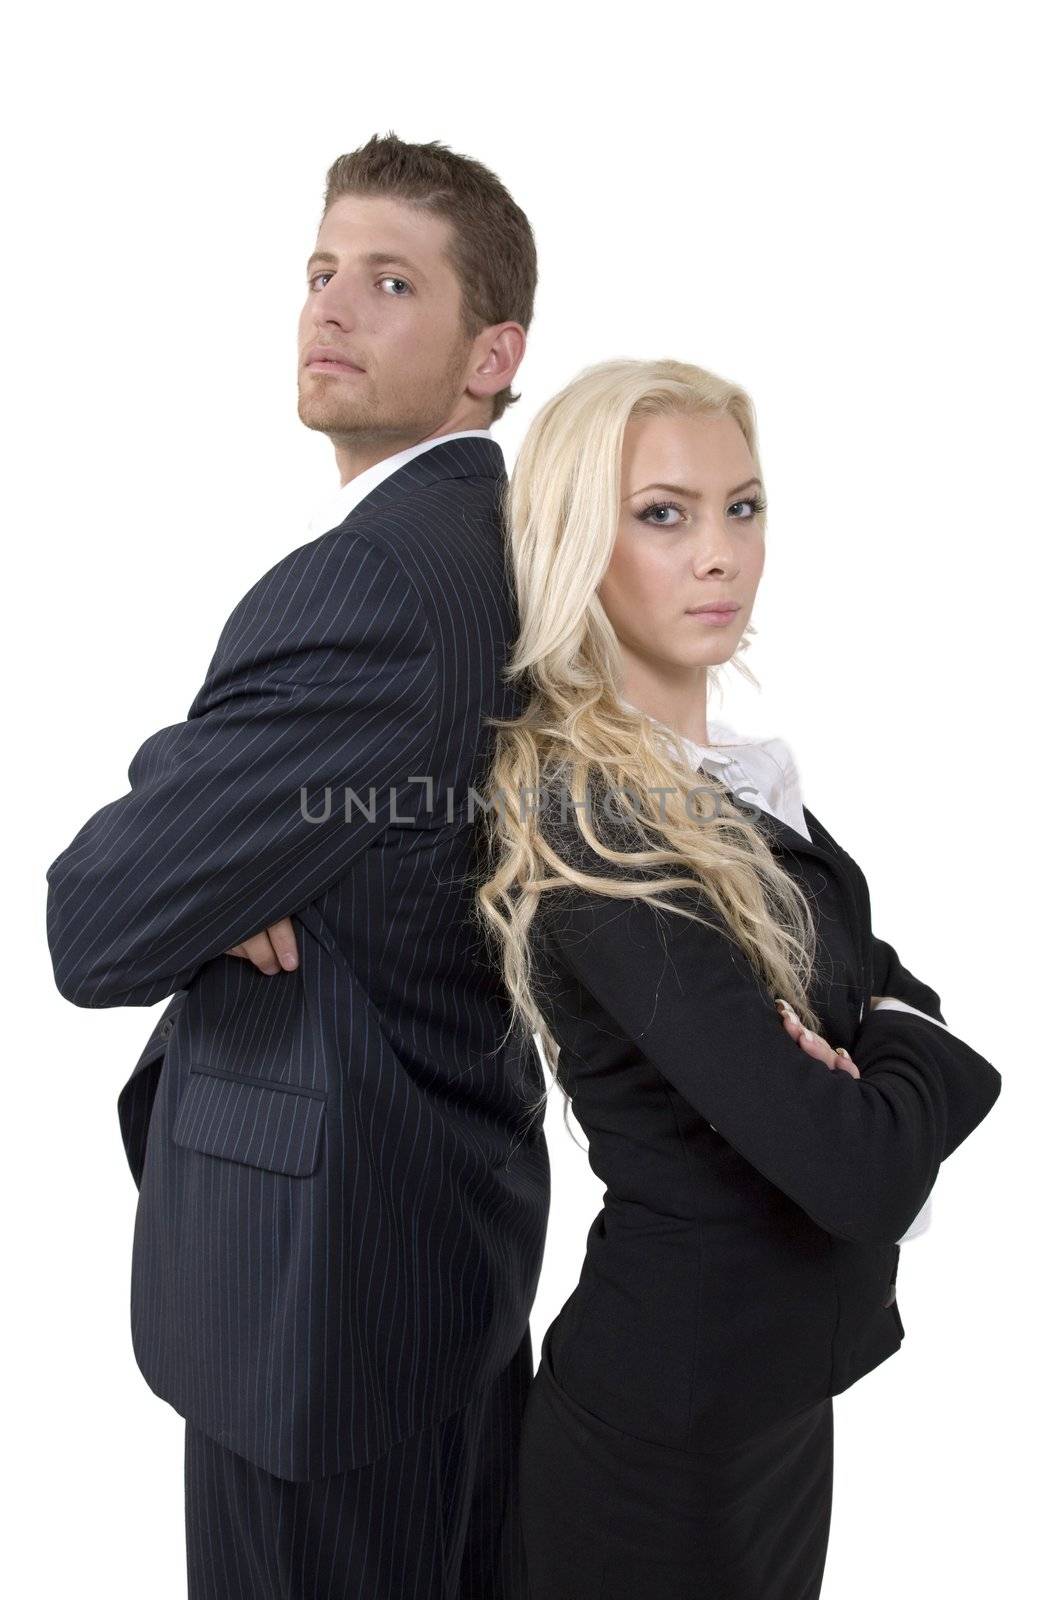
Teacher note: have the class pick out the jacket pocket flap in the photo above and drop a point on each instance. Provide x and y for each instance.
(261, 1124)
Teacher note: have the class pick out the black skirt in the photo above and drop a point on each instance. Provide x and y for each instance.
(608, 1516)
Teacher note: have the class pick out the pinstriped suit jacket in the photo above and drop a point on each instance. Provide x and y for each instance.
(342, 1208)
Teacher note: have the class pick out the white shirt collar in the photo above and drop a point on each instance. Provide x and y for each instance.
(723, 732)
(761, 766)
(339, 504)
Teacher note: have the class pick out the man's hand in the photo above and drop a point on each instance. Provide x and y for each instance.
(273, 950)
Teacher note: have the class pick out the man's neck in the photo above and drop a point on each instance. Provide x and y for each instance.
(358, 454)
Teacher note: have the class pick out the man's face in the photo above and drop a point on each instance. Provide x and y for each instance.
(382, 298)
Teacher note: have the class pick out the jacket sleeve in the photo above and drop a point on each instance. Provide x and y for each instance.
(325, 679)
(892, 978)
(858, 1155)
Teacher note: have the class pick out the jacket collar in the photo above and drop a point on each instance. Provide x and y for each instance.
(748, 749)
(820, 845)
(454, 458)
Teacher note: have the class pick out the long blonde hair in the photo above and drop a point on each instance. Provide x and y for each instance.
(561, 515)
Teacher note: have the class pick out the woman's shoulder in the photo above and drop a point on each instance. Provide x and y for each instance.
(576, 911)
(563, 817)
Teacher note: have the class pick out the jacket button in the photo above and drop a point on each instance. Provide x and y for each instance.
(166, 1027)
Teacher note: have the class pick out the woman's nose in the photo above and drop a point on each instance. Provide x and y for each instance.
(714, 549)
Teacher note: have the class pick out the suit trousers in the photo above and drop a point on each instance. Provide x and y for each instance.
(434, 1518)
(608, 1516)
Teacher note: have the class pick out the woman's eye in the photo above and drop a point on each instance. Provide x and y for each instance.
(753, 505)
(664, 506)
(403, 282)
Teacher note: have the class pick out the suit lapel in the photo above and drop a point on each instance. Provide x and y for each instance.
(820, 845)
(784, 837)
(823, 847)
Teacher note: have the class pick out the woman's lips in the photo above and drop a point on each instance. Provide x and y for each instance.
(716, 617)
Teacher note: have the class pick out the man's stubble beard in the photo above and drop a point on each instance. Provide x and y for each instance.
(359, 418)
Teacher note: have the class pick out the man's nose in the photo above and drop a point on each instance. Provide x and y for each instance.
(334, 304)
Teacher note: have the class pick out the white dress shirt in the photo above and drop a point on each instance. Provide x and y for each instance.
(763, 771)
(339, 503)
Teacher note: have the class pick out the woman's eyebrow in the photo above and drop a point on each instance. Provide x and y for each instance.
(693, 494)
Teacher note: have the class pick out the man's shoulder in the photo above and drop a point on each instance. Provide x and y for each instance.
(383, 570)
(459, 517)
(320, 590)
(403, 532)
(446, 542)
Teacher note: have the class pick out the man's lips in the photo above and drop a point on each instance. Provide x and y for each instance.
(326, 358)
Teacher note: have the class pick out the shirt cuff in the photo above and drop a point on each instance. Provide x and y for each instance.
(887, 1000)
(920, 1223)
(924, 1216)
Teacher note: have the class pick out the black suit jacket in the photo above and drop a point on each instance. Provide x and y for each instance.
(342, 1210)
(744, 1263)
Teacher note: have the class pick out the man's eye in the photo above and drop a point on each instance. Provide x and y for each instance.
(313, 280)
(403, 282)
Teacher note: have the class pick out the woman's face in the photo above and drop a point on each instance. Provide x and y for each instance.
(690, 533)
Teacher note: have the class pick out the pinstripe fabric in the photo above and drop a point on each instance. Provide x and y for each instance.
(435, 1518)
(341, 1211)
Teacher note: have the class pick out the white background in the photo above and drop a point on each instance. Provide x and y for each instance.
(841, 207)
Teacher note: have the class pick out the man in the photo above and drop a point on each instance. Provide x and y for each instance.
(342, 1196)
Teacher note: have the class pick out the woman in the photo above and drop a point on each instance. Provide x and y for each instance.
(695, 951)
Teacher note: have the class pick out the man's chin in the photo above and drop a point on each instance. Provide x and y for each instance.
(327, 417)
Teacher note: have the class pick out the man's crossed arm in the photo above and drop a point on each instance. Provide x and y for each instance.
(325, 678)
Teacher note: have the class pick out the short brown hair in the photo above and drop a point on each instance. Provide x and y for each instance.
(492, 252)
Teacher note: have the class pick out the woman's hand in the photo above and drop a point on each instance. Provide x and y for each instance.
(273, 950)
(813, 1045)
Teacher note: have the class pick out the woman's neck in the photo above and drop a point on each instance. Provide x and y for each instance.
(684, 713)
